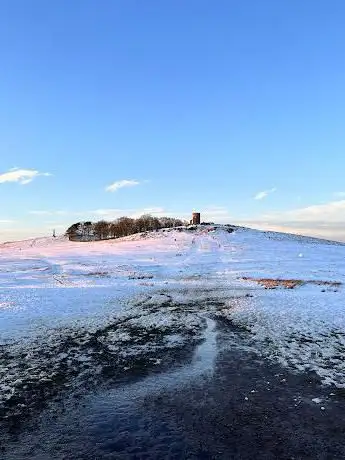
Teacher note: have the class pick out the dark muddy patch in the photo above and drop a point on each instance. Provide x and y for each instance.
(140, 277)
(98, 274)
(245, 408)
(76, 362)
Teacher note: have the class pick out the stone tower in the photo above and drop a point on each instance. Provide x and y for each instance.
(196, 218)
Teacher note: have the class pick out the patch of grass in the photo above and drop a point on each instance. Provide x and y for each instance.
(269, 283)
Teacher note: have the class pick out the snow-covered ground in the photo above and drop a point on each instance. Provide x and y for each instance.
(67, 309)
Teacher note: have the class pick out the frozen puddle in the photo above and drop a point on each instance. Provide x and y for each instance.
(206, 352)
(91, 426)
(202, 364)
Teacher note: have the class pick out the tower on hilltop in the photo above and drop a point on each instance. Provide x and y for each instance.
(195, 218)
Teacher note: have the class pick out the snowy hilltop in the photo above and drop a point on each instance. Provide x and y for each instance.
(101, 309)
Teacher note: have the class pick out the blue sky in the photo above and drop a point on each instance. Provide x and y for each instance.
(182, 104)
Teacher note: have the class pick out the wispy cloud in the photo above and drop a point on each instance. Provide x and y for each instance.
(154, 210)
(121, 184)
(339, 194)
(114, 213)
(332, 231)
(22, 176)
(48, 213)
(109, 212)
(333, 211)
(56, 225)
(264, 194)
(325, 220)
(6, 221)
(215, 211)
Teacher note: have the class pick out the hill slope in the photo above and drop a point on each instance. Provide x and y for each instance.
(139, 297)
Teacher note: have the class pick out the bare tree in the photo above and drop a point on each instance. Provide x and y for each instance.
(102, 229)
(113, 230)
(88, 230)
(124, 226)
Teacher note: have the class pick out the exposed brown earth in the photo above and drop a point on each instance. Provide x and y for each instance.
(269, 283)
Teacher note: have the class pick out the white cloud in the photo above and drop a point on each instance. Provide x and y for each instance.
(154, 210)
(22, 176)
(320, 230)
(40, 213)
(339, 194)
(333, 211)
(264, 194)
(6, 221)
(216, 211)
(48, 213)
(121, 184)
(108, 212)
(325, 220)
(56, 226)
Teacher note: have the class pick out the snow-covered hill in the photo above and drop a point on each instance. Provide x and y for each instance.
(64, 297)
